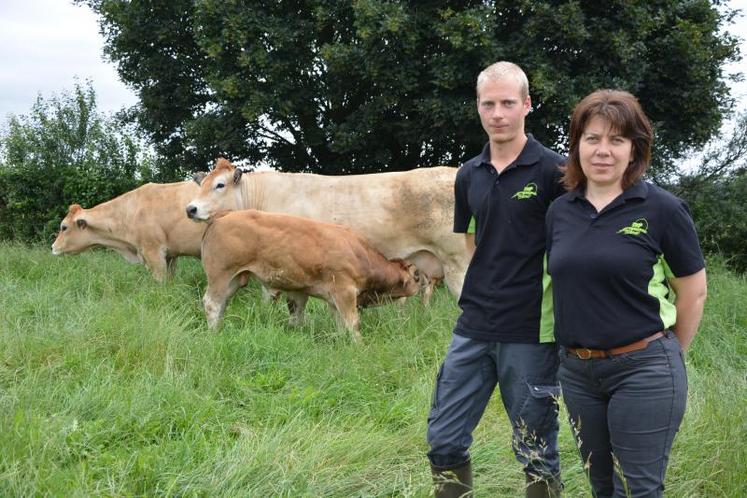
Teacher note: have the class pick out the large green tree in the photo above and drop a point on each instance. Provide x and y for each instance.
(366, 85)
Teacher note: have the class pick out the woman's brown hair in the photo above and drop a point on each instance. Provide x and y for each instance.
(626, 117)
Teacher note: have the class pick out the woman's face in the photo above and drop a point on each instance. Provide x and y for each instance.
(604, 154)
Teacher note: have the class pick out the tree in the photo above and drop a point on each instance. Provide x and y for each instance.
(716, 193)
(64, 151)
(368, 85)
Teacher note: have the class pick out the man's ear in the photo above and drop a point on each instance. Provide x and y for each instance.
(82, 223)
(237, 175)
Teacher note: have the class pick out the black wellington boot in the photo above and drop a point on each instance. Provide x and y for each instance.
(453, 482)
(543, 489)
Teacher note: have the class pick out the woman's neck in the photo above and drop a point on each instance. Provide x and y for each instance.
(601, 195)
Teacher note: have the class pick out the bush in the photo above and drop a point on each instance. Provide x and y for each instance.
(717, 206)
(63, 152)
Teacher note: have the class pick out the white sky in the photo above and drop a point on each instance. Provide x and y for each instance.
(46, 44)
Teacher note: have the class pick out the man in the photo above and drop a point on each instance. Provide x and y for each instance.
(504, 335)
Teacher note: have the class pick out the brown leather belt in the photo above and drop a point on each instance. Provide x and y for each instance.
(587, 354)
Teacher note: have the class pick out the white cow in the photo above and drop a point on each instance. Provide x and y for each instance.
(406, 215)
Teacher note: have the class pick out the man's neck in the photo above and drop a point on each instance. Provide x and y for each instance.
(503, 154)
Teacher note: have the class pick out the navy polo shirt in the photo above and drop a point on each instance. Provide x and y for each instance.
(505, 296)
(609, 269)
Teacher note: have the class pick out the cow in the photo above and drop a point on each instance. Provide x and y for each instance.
(145, 225)
(407, 215)
(302, 258)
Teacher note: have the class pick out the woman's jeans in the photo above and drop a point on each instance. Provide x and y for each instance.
(624, 412)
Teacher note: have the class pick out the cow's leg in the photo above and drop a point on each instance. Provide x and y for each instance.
(296, 306)
(427, 293)
(454, 272)
(170, 267)
(155, 260)
(345, 302)
(269, 295)
(216, 297)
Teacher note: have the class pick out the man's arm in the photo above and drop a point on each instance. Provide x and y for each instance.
(691, 293)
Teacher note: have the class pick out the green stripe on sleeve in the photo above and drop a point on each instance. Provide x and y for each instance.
(547, 320)
(659, 288)
(472, 228)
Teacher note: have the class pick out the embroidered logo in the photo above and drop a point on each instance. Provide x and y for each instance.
(530, 190)
(638, 227)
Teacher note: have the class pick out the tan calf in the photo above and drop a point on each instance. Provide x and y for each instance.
(303, 258)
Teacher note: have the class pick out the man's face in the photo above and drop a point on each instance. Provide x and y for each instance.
(502, 110)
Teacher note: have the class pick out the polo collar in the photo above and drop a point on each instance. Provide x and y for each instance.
(639, 190)
(529, 155)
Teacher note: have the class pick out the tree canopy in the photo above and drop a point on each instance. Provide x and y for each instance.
(355, 86)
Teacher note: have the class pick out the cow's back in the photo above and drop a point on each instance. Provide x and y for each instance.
(398, 212)
(156, 210)
(307, 250)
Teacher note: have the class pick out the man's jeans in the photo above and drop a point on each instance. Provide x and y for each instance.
(626, 408)
(527, 376)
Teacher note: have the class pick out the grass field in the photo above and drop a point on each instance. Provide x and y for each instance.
(111, 385)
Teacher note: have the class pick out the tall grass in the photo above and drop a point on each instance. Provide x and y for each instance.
(111, 385)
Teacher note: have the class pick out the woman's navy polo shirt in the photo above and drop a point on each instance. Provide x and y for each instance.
(609, 269)
(505, 296)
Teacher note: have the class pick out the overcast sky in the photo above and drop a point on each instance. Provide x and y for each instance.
(46, 44)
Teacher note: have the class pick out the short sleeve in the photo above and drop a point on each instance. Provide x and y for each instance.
(549, 218)
(463, 220)
(680, 245)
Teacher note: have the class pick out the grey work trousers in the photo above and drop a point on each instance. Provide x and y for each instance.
(626, 408)
(527, 377)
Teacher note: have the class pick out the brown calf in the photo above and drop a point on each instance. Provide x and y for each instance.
(303, 258)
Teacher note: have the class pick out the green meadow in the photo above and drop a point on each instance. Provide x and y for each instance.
(112, 385)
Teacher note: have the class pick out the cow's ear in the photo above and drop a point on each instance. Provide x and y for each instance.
(81, 223)
(199, 177)
(237, 175)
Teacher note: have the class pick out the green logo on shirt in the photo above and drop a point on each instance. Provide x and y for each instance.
(638, 227)
(530, 190)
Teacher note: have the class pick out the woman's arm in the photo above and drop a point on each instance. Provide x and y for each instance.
(691, 293)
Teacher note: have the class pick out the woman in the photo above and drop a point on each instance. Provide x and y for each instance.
(628, 290)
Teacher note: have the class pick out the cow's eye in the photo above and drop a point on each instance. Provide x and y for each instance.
(63, 228)
(220, 186)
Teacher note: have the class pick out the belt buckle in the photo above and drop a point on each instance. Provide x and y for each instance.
(585, 356)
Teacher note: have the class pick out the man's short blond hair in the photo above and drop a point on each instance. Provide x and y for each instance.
(503, 70)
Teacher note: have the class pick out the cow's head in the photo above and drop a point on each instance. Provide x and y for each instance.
(74, 235)
(220, 190)
(411, 279)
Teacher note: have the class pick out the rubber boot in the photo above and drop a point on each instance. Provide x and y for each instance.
(538, 488)
(453, 482)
